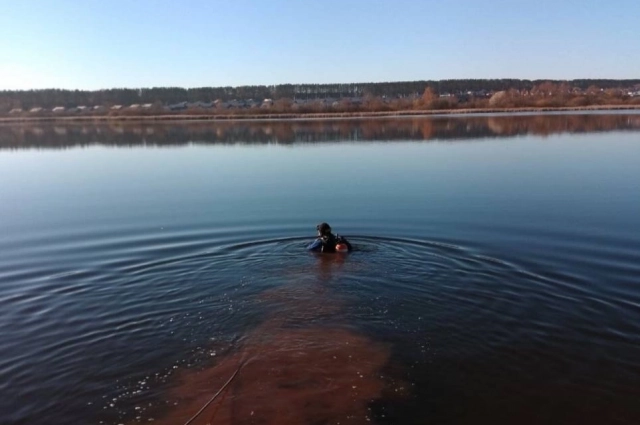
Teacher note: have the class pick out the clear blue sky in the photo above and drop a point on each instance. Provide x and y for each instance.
(92, 44)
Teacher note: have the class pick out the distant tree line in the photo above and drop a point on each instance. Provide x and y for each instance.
(49, 98)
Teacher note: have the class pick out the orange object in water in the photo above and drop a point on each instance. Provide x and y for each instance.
(341, 247)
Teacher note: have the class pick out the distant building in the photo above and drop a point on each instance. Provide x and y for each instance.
(178, 106)
(147, 106)
(116, 107)
(58, 109)
(35, 110)
(16, 111)
(235, 104)
(221, 105)
(135, 106)
(328, 101)
(82, 108)
(200, 105)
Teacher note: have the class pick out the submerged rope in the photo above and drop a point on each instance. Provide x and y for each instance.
(194, 417)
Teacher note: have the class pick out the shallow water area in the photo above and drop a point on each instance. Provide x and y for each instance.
(495, 277)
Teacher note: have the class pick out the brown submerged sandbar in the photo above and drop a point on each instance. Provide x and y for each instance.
(289, 376)
(290, 371)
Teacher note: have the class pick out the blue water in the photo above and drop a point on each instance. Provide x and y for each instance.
(496, 276)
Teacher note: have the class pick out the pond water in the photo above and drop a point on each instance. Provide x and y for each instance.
(495, 277)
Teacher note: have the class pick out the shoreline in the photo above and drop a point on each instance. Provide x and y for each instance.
(313, 116)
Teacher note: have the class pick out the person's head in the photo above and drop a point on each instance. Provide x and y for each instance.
(323, 229)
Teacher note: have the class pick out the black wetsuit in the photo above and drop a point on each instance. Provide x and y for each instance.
(327, 243)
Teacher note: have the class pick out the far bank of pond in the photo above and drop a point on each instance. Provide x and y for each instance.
(239, 115)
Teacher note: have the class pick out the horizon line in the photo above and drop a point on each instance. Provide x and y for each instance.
(324, 84)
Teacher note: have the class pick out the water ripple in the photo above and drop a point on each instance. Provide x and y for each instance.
(134, 305)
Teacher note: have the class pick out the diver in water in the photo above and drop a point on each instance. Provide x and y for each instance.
(328, 242)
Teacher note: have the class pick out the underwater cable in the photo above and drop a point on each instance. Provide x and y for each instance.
(194, 417)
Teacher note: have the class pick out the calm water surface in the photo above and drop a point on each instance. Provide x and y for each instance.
(496, 276)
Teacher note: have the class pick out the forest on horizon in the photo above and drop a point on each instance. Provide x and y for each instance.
(471, 93)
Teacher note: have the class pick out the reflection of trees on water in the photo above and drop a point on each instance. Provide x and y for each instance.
(127, 134)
